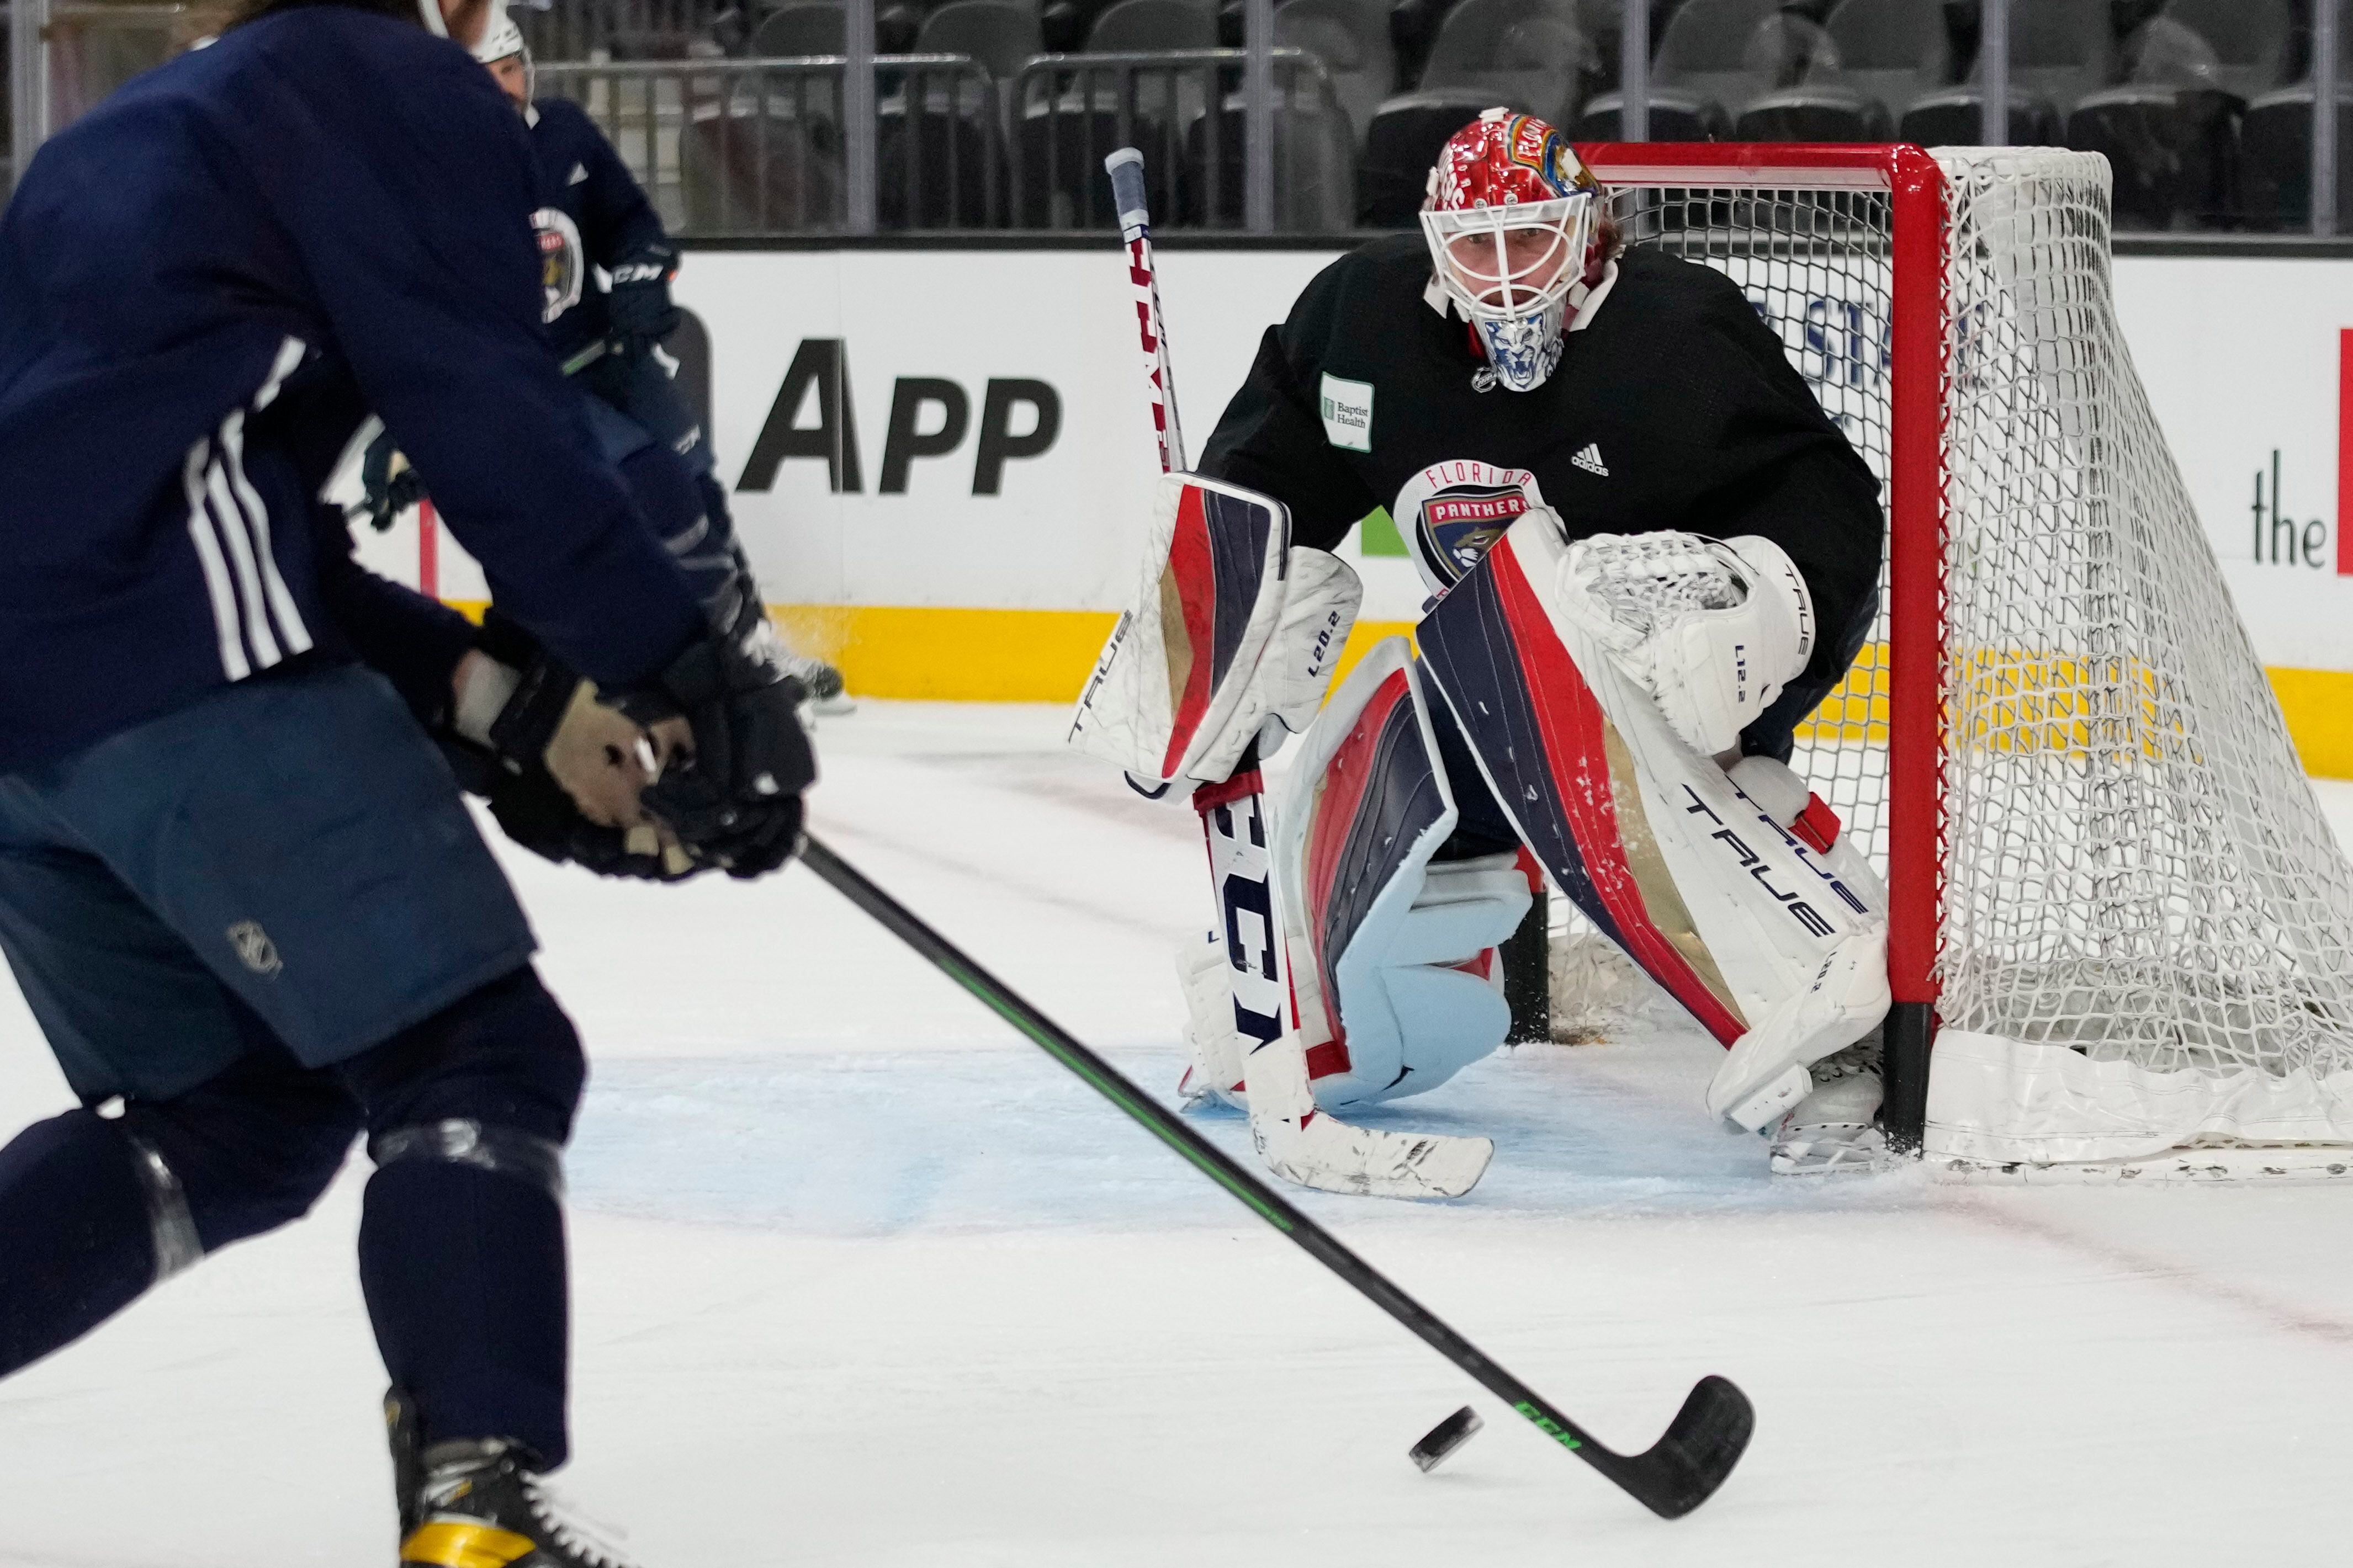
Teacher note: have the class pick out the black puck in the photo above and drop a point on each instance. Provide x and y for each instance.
(1444, 1438)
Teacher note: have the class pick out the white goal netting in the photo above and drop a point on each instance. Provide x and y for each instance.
(2144, 936)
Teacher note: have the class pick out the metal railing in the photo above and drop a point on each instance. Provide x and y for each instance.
(1071, 110)
(760, 147)
(1238, 140)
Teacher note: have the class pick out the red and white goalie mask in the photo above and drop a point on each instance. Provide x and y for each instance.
(1513, 220)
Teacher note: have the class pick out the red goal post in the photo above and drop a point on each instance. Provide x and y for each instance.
(1913, 189)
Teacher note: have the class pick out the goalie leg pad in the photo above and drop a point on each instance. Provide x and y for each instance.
(1231, 637)
(1775, 951)
(1393, 957)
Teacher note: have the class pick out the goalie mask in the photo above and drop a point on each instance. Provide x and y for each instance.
(1512, 222)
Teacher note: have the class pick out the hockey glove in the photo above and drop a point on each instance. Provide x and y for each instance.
(536, 811)
(732, 770)
(389, 485)
(531, 711)
(639, 306)
(1712, 630)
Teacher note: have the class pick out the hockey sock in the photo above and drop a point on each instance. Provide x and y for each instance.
(74, 1231)
(461, 1238)
(464, 1272)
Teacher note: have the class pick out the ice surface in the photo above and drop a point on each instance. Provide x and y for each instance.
(865, 1279)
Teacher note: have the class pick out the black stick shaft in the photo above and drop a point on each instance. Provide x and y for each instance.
(1206, 1157)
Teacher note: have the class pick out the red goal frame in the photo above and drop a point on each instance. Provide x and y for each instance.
(1916, 502)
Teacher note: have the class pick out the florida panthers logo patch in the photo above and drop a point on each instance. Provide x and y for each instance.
(562, 264)
(1452, 512)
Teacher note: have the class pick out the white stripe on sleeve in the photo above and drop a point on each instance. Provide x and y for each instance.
(208, 555)
(256, 517)
(290, 354)
(240, 553)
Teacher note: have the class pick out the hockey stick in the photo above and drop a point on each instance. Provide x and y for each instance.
(1671, 1478)
(1297, 1143)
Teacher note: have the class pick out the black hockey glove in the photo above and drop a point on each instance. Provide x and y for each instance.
(639, 305)
(533, 810)
(732, 790)
(390, 486)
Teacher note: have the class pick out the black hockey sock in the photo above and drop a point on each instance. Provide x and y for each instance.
(74, 1233)
(464, 1271)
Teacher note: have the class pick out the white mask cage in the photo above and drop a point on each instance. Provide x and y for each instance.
(1514, 261)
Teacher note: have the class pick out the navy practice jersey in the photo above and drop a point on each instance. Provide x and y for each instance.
(1675, 408)
(592, 214)
(205, 285)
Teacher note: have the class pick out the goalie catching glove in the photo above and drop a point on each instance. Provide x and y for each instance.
(1711, 629)
(1231, 638)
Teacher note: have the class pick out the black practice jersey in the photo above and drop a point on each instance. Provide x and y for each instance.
(1675, 407)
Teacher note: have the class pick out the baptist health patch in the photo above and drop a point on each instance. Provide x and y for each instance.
(1348, 413)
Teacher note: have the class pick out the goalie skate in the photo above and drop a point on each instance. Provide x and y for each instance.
(1835, 1128)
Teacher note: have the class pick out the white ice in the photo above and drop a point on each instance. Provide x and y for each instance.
(863, 1279)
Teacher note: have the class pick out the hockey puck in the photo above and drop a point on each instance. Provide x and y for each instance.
(1443, 1439)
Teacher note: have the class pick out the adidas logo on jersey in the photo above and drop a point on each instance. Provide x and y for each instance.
(579, 174)
(1591, 460)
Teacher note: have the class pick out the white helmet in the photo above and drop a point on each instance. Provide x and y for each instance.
(501, 37)
(429, 13)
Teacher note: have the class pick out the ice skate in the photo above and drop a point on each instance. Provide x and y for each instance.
(1835, 1128)
(476, 1503)
(823, 683)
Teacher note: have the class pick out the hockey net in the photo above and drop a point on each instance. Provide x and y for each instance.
(2114, 896)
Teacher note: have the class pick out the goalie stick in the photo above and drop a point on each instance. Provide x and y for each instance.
(1671, 1478)
(1297, 1143)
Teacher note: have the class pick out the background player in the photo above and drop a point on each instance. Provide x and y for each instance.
(237, 888)
(1513, 362)
(594, 218)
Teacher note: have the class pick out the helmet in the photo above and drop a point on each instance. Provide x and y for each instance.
(1513, 222)
(429, 13)
(502, 39)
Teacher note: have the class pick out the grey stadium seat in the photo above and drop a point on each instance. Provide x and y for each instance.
(1700, 74)
(817, 28)
(1352, 38)
(2253, 40)
(1000, 34)
(2061, 52)
(1150, 26)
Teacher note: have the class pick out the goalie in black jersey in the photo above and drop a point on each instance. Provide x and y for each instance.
(1650, 555)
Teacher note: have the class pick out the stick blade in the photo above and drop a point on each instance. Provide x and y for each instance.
(1441, 1440)
(1705, 1441)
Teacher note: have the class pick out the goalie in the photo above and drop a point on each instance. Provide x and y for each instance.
(1649, 556)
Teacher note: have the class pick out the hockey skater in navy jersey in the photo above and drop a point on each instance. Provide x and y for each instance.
(237, 887)
(594, 218)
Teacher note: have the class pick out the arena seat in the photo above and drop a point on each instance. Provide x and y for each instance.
(1352, 38)
(1699, 73)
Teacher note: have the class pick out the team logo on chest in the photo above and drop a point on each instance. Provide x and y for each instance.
(562, 266)
(1452, 511)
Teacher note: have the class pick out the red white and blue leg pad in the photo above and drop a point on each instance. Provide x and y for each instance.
(1773, 942)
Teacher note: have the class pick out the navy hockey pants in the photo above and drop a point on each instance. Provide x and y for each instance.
(266, 924)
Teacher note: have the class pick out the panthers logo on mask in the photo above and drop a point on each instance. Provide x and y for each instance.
(1453, 511)
(562, 264)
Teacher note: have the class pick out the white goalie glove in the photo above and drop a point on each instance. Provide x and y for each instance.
(1231, 637)
(1711, 629)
